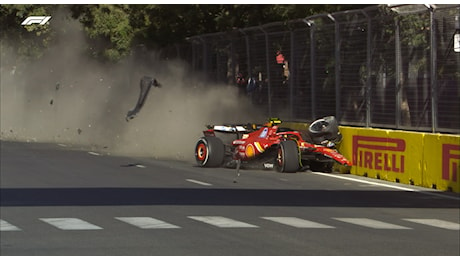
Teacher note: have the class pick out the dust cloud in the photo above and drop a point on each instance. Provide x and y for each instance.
(69, 99)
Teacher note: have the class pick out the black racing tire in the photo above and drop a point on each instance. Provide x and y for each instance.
(316, 128)
(288, 157)
(209, 152)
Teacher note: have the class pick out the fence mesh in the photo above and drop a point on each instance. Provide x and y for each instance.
(382, 66)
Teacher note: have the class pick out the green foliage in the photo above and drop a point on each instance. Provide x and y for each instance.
(115, 27)
(108, 27)
(112, 29)
(28, 41)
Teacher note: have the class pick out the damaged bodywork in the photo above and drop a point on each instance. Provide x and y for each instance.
(145, 84)
(272, 146)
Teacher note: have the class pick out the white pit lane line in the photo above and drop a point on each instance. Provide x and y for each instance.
(199, 182)
(384, 185)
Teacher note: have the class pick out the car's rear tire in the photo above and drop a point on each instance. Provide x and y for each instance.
(288, 158)
(209, 152)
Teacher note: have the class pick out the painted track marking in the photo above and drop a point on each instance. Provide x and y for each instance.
(70, 223)
(386, 185)
(199, 182)
(370, 223)
(5, 226)
(222, 222)
(147, 222)
(435, 223)
(297, 222)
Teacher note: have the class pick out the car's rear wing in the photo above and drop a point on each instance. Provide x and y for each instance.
(229, 128)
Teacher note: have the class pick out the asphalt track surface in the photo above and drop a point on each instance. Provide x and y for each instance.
(63, 200)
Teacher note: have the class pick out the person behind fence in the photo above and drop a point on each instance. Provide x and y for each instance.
(241, 84)
(251, 88)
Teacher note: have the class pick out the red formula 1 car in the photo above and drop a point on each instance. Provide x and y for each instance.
(272, 146)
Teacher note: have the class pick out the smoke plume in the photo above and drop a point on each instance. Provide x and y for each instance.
(67, 98)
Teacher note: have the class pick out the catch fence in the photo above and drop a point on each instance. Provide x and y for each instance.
(395, 67)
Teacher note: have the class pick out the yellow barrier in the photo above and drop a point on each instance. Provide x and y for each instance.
(421, 159)
(384, 154)
(441, 165)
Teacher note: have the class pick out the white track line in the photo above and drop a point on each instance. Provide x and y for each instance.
(385, 185)
(199, 182)
(363, 181)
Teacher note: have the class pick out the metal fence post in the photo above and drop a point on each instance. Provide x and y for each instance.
(248, 53)
(205, 56)
(398, 76)
(369, 70)
(311, 24)
(434, 86)
(193, 61)
(292, 76)
(267, 54)
(338, 97)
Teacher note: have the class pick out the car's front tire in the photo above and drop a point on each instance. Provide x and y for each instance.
(288, 158)
(209, 152)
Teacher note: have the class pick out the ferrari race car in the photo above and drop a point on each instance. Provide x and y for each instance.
(272, 146)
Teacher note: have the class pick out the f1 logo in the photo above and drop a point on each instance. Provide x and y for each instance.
(42, 20)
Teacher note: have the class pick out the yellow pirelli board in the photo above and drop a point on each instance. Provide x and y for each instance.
(441, 162)
(422, 159)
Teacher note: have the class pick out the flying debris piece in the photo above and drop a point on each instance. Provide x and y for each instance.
(138, 165)
(145, 84)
